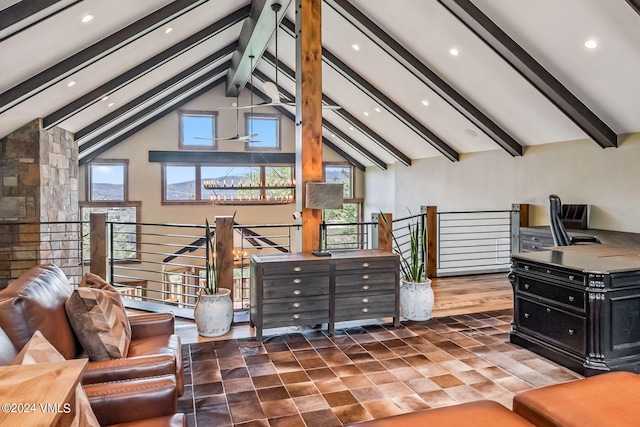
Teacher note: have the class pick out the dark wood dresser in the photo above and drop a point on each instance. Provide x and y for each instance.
(578, 308)
(302, 289)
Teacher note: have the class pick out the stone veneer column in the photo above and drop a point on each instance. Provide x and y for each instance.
(39, 173)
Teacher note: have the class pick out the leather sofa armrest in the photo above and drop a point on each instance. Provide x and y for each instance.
(149, 325)
(126, 401)
(129, 368)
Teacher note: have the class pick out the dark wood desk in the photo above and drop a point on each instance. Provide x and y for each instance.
(539, 238)
(579, 306)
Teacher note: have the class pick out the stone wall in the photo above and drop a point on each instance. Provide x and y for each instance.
(39, 173)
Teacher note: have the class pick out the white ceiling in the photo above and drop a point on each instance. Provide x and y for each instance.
(605, 79)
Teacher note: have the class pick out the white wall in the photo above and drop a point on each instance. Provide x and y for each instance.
(578, 171)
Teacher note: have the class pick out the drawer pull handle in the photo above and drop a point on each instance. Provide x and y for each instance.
(548, 271)
(297, 292)
(571, 332)
(296, 304)
(535, 239)
(297, 268)
(365, 277)
(526, 267)
(296, 316)
(526, 315)
(365, 287)
(296, 281)
(526, 286)
(365, 264)
(571, 277)
(571, 299)
(365, 310)
(365, 300)
(548, 310)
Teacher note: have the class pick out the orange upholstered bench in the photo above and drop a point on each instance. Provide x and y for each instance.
(482, 413)
(609, 399)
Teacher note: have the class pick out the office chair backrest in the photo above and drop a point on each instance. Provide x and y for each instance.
(558, 232)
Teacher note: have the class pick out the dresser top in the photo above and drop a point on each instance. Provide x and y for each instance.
(588, 262)
(335, 255)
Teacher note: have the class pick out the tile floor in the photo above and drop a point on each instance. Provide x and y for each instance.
(361, 373)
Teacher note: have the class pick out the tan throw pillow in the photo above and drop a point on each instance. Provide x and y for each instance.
(90, 280)
(39, 350)
(99, 320)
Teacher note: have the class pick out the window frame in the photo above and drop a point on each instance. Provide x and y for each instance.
(277, 117)
(198, 113)
(88, 178)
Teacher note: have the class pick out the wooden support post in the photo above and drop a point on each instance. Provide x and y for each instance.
(309, 112)
(385, 232)
(432, 241)
(224, 251)
(98, 244)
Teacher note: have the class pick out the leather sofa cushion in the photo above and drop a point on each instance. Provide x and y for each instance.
(100, 322)
(39, 350)
(176, 420)
(603, 400)
(8, 351)
(35, 301)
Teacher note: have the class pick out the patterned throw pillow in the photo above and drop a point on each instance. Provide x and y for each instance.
(39, 350)
(99, 320)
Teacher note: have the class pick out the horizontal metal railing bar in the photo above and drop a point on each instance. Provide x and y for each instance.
(474, 227)
(459, 261)
(462, 267)
(474, 246)
(483, 218)
(474, 252)
(474, 212)
(474, 232)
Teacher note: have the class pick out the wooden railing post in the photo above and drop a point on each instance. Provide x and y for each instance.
(431, 213)
(98, 244)
(224, 251)
(385, 230)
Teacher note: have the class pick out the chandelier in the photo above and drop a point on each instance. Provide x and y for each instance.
(242, 192)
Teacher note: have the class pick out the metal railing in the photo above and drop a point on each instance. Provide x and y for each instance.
(474, 242)
(353, 235)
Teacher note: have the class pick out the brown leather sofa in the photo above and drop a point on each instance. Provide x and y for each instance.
(36, 301)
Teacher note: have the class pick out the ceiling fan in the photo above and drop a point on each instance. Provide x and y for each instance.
(271, 88)
(237, 137)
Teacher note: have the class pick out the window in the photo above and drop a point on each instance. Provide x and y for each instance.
(267, 130)
(344, 236)
(107, 180)
(340, 174)
(125, 235)
(249, 183)
(198, 129)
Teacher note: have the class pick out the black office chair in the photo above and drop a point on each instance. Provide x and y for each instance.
(558, 232)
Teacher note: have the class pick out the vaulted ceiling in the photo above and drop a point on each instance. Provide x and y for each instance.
(522, 75)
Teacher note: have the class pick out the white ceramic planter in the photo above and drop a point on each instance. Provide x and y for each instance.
(416, 300)
(214, 313)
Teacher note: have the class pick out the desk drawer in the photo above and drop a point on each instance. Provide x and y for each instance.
(559, 294)
(565, 329)
(549, 272)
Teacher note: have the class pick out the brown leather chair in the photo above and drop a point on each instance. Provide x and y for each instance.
(36, 301)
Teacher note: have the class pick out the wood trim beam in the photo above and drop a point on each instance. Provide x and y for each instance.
(148, 66)
(635, 4)
(412, 64)
(95, 52)
(24, 14)
(286, 113)
(155, 112)
(346, 116)
(163, 87)
(225, 157)
(385, 102)
(332, 128)
(254, 37)
(489, 32)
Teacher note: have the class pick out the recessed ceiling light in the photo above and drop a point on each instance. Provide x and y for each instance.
(333, 135)
(351, 128)
(377, 109)
(355, 47)
(104, 98)
(168, 30)
(71, 83)
(366, 113)
(591, 44)
(87, 18)
(453, 51)
(471, 132)
(425, 102)
(111, 104)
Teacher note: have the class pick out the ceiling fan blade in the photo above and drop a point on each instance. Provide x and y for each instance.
(271, 90)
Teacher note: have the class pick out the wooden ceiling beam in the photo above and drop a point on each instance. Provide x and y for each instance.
(255, 35)
(489, 32)
(149, 114)
(80, 60)
(416, 67)
(24, 14)
(146, 67)
(345, 115)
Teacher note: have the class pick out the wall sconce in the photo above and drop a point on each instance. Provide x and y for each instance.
(323, 195)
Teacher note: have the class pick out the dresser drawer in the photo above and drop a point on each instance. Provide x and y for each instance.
(296, 281)
(296, 305)
(287, 290)
(274, 320)
(564, 329)
(367, 281)
(384, 264)
(558, 294)
(365, 307)
(295, 268)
